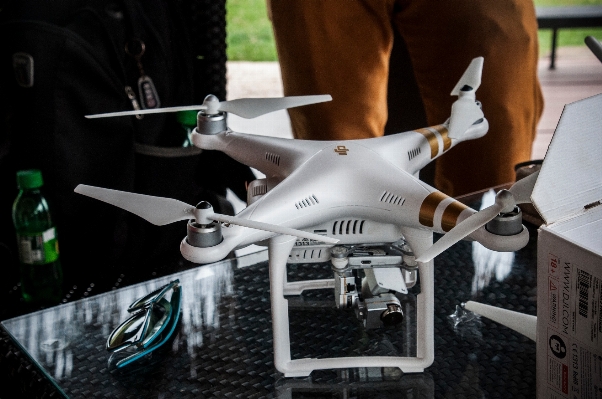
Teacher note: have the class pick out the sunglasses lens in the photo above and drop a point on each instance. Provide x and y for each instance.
(142, 328)
(126, 332)
(159, 316)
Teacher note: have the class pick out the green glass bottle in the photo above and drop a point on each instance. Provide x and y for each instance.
(187, 120)
(40, 267)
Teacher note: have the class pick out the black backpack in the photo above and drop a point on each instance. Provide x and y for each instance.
(63, 60)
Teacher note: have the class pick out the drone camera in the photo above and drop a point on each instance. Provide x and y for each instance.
(393, 315)
(356, 286)
(381, 311)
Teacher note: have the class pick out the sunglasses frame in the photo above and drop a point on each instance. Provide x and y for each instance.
(145, 341)
(152, 298)
(160, 339)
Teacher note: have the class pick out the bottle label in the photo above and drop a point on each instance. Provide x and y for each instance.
(40, 248)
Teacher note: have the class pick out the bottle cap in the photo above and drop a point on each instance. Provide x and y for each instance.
(187, 118)
(28, 179)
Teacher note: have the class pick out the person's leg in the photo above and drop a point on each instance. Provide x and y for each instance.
(442, 37)
(339, 48)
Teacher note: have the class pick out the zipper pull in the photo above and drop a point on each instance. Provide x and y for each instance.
(132, 96)
(149, 98)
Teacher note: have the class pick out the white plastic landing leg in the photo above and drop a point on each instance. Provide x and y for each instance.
(297, 287)
(279, 248)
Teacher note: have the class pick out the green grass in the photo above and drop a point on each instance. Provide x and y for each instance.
(249, 31)
(566, 37)
(250, 37)
(566, 2)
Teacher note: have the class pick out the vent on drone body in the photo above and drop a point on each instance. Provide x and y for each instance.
(413, 153)
(273, 158)
(256, 189)
(352, 226)
(390, 198)
(259, 190)
(307, 202)
(307, 254)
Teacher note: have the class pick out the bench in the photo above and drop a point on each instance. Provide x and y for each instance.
(567, 17)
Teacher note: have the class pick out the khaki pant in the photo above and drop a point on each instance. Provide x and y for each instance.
(342, 48)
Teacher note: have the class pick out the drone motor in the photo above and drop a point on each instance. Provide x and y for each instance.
(211, 120)
(201, 234)
(507, 223)
(211, 124)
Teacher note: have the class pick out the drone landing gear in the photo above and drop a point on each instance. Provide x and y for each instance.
(279, 249)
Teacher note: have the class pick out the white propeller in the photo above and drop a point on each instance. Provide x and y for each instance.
(245, 107)
(471, 77)
(160, 211)
(465, 110)
(157, 210)
(505, 201)
(272, 228)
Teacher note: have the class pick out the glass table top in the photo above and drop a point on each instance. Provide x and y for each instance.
(224, 347)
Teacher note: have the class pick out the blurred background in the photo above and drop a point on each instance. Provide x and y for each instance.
(253, 70)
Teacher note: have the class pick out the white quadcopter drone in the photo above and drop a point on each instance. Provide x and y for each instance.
(357, 203)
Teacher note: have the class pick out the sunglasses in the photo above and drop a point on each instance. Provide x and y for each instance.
(153, 321)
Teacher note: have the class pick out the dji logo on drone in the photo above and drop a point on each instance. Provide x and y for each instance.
(341, 150)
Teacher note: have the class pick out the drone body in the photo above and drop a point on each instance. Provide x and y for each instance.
(359, 191)
(350, 193)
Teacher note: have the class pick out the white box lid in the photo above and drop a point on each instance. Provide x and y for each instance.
(570, 181)
(585, 231)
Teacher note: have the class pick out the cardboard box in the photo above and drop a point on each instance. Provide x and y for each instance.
(568, 195)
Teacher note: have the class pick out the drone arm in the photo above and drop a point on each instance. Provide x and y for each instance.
(413, 150)
(272, 156)
(500, 243)
(475, 225)
(436, 141)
